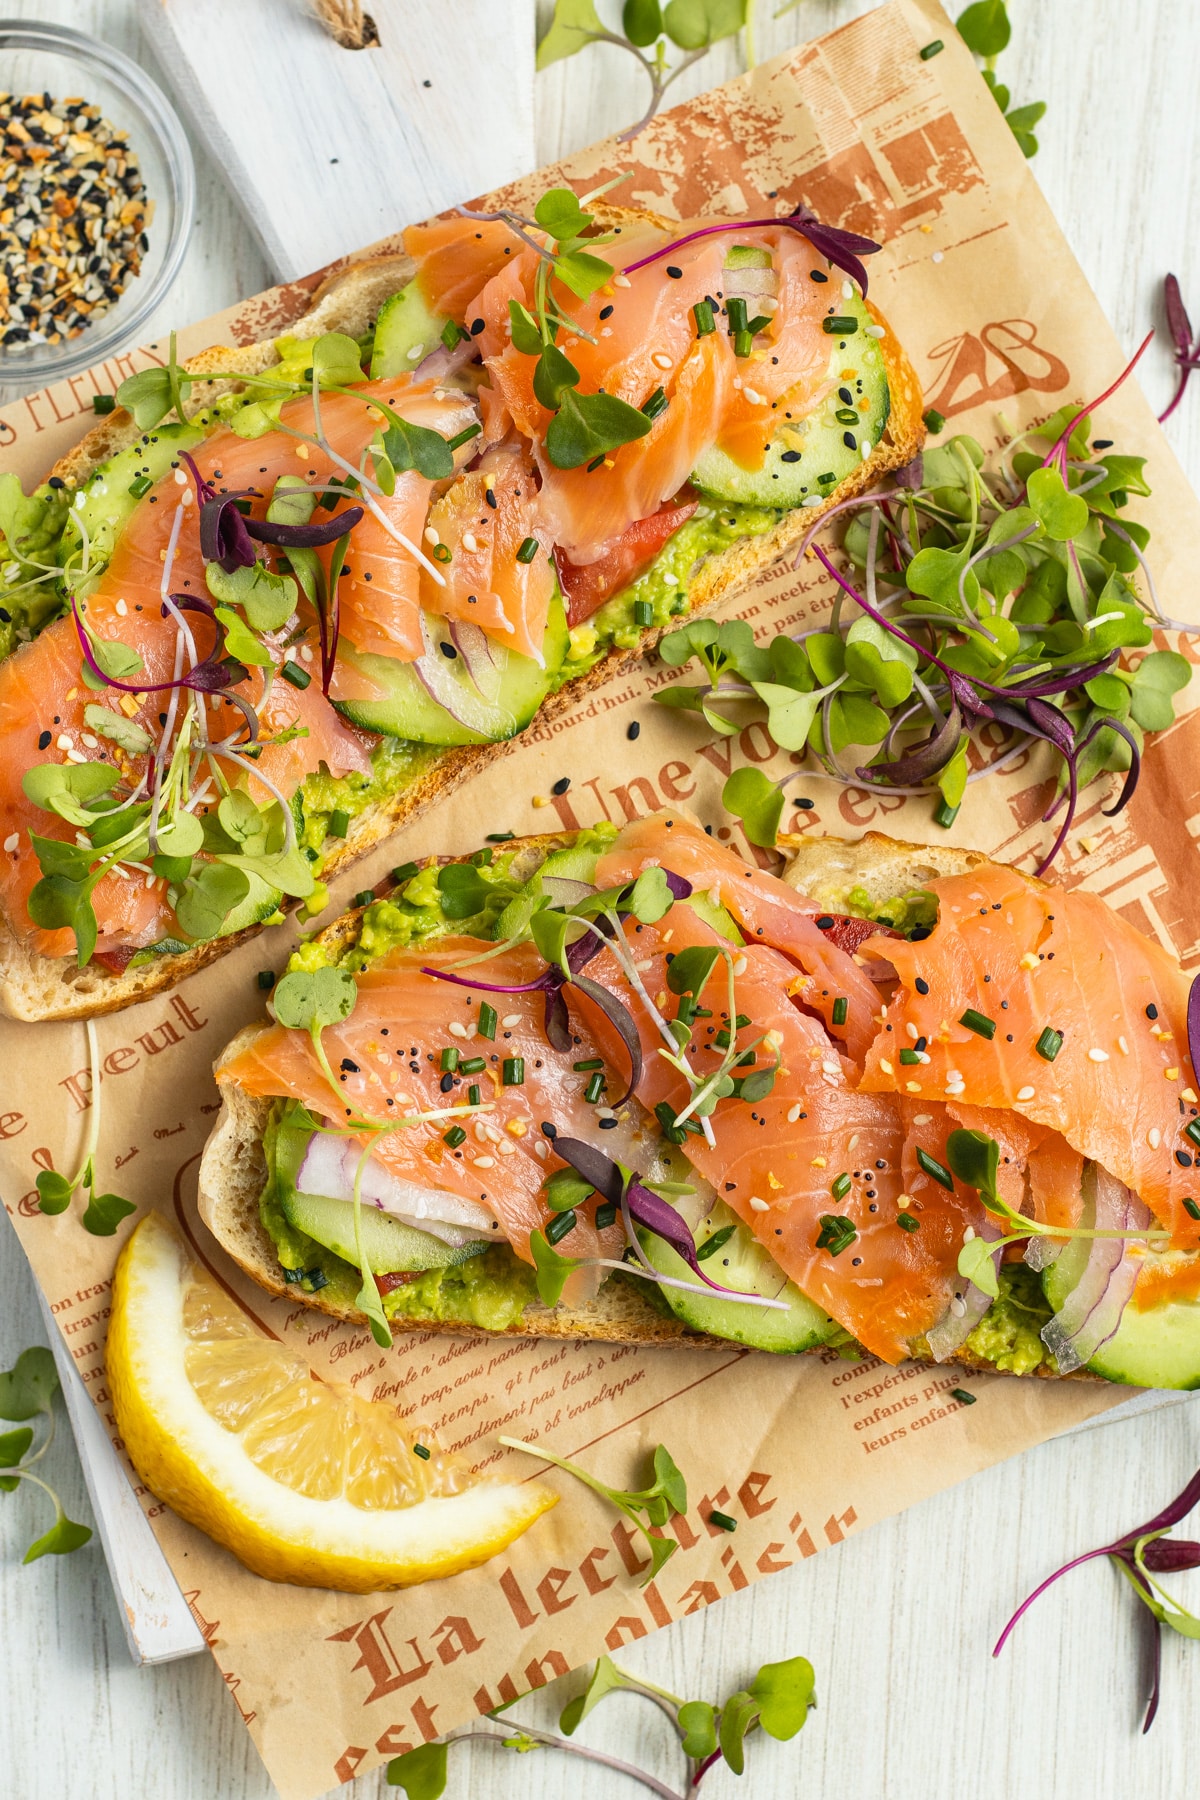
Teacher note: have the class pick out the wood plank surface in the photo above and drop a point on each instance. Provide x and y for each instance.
(899, 1621)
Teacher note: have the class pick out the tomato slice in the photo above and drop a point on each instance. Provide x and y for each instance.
(586, 586)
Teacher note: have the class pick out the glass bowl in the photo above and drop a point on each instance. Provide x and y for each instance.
(41, 58)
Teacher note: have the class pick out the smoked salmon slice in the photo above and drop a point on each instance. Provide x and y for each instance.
(1027, 966)
(484, 520)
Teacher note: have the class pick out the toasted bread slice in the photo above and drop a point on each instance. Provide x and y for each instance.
(233, 1167)
(39, 987)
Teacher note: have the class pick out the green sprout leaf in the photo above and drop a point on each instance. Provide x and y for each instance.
(240, 641)
(148, 396)
(984, 27)
(1064, 515)
(650, 898)
(293, 502)
(309, 1000)
(54, 1192)
(757, 802)
(784, 1692)
(698, 1723)
(421, 1772)
(13, 1445)
(127, 734)
(590, 425)
(976, 1262)
(65, 788)
(552, 1269)
(463, 890)
(975, 1159)
(207, 898)
(688, 973)
(605, 1678)
(695, 24)
(553, 375)
(267, 600)
(583, 273)
(336, 360)
(1158, 676)
(104, 1213)
(29, 1387)
(63, 1537)
(565, 1190)
(416, 447)
(576, 24)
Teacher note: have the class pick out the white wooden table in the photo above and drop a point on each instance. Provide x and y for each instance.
(899, 1621)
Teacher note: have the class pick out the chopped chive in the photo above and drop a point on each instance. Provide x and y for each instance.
(935, 1170)
(464, 436)
(711, 1245)
(979, 1023)
(743, 343)
(474, 1097)
(512, 1071)
(703, 315)
(685, 1013)
(291, 1275)
(1191, 1130)
(962, 1396)
(595, 463)
(929, 51)
(558, 1227)
(266, 979)
(594, 1088)
(474, 1065)
(909, 1056)
(454, 1137)
(589, 1062)
(499, 837)
(404, 871)
(316, 1279)
(452, 334)
(839, 327)
(606, 1215)
(841, 1186)
(421, 1451)
(442, 553)
(292, 672)
(945, 815)
(1189, 1206)
(827, 479)
(487, 1019)
(934, 422)
(723, 1520)
(656, 404)
(1049, 1044)
(339, 823)
(841, 1007)
(527, 552)
(364, 897)
(846, 415)
(836, 1234)
(140, 485)
(722, 1039)
(104, 403)
(643, 613)
(742, 1020)
(664, 1112)
(449, 1060)
(906, 1222)
(739, 320)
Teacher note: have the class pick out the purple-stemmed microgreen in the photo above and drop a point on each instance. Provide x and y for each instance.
(1141, 1555)
(1187, 347)
(967, 595)
(777, 1700)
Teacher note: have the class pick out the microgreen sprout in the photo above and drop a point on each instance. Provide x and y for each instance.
(27, 1392)
(777, 1700)
(1187, 347)
(1141, 1555)
(648, 1509)
(103, 1212)
(979, 595)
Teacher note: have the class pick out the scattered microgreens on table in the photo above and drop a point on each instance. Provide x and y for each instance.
(648, 31)
(985, 29)
(647, 1509)
(103, 1212)
(980, 595)
(1187, 347)
(1141, 1555)
(27, 1391)
(777, 1701)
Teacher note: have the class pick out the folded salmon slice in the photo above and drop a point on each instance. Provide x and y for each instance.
(1021, 960)
(767, 909)
(483, 520)
(388, 1058)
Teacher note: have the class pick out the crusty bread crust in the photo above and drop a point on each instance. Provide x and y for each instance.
(233, 1168)
(36, 987)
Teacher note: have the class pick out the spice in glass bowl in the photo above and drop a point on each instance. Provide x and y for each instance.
(73, 217)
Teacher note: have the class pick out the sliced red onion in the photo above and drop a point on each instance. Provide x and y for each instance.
(479, 657)
(441, 363)
(1092, 1311)
(330, 1164)
(912, 475)
(966, 1308)
(621, 1019)
(562, 891)
(432, 672)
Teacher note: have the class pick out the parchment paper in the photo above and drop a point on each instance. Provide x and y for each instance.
(1002, 328)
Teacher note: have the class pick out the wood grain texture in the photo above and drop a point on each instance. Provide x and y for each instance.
(899, 1622)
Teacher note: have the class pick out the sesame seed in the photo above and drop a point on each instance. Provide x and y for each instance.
(1097, 1056)
(886, 1066)
(757, 1205)
(793, 1111)
(912, 1087)
(661, 360)
(958, 1308)
(1154, 1137)
(485, 1162)
(431, 535)
(621, 281)
(923, 1119)
(12, 841)
(457, 1030)
(469, 541)
(969, 1234)
(875, 331)
(510, 1019)
(63, 742)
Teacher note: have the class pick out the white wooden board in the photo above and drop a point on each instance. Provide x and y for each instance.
(329, 149)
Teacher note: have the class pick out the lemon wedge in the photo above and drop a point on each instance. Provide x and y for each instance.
(302, 1479)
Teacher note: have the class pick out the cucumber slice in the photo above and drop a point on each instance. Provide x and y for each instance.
(1155, 1347)
(105, 501)
(741, 1263)
(388, 1244)
(406, 331)
(806, 449)
(410, 711)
